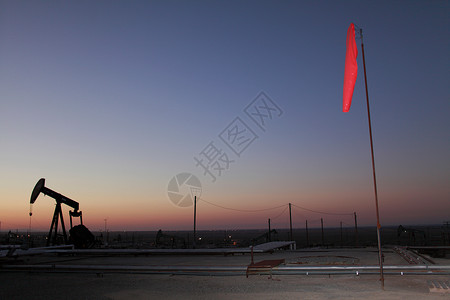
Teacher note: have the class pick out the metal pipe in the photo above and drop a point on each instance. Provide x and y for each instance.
(357, 273)
(368, 267)
(49, 250)
(236, 270)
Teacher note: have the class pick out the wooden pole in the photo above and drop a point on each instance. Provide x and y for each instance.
(356, 231)
(323, 239)
(290, 223)
(380, 254)
(195, 217)
(307, 234)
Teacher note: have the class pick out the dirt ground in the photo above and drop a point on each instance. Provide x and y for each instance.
(109, 285)
(141, 286)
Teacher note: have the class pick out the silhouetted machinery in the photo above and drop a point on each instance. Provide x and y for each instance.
(412, 232)
(80, 236)
(165, 240)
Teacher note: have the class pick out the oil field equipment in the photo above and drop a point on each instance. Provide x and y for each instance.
(412, 234)
(269, 236)
(169, 241)
(80, 236)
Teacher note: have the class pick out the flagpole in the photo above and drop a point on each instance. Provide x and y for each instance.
(380, 254)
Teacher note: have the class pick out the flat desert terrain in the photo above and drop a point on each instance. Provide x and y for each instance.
(104, 284)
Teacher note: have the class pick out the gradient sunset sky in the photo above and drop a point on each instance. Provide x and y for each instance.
(109, 100)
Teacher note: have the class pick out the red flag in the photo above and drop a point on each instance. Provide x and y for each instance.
(351, 68)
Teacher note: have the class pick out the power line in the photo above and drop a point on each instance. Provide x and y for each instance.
(272, 208)
(322, 212)
(280, 213)
(242, 210)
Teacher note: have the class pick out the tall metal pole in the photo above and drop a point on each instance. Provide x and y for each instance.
(269, 237)
(195, 216)
(380, 255)
(290, 223)
(356, 231)
(323, 239)
(307, 234)
(106, 236)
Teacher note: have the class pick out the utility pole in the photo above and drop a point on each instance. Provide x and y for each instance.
(290, 222)
(106, 237)
(323, 239)
(195, 216)
(356, 231)
(269, 237)
(307, 234)
(447, 232)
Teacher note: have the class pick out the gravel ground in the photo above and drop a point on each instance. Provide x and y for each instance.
(139, 286)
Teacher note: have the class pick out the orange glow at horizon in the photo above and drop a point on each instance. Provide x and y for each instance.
(125, 210)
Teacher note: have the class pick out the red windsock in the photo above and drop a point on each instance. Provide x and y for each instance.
(351, 68)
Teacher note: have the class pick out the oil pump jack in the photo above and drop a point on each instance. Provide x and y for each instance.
(82, 235)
